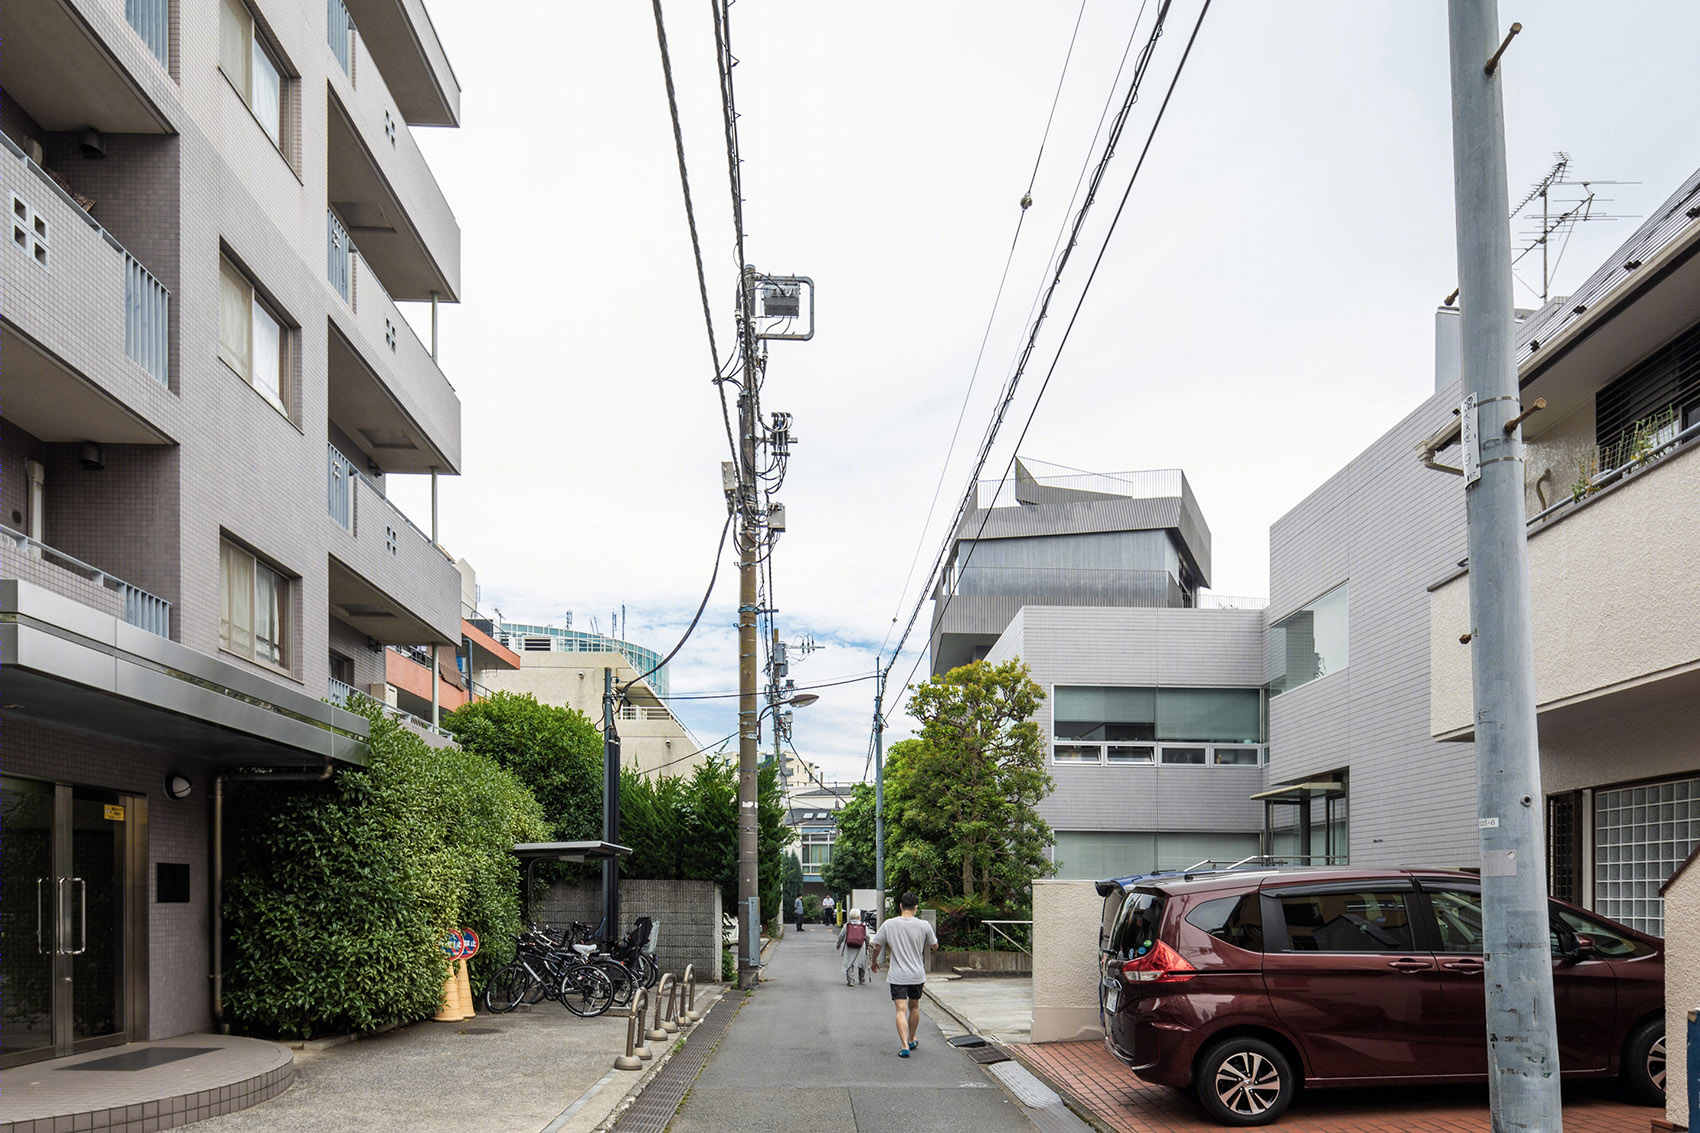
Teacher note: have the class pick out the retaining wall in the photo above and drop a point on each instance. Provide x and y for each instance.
(686, 915)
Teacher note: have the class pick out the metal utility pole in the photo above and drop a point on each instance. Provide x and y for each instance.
(610, 810)
(749, 722)
(879, 793)
(1522, 1039)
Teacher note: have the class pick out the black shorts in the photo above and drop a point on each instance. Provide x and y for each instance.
(905, 991)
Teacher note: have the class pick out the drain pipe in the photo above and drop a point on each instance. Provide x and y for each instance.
(217, 901)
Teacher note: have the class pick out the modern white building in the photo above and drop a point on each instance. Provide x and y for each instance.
(216, 207)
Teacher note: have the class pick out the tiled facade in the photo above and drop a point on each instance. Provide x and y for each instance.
(144, 469)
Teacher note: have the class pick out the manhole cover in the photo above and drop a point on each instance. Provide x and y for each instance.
(479, 1031)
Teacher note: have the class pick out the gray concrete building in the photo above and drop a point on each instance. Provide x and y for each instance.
(215, 209)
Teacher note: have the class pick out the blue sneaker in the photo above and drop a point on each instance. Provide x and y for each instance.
(911, 1044)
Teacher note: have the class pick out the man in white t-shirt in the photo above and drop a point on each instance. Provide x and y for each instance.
(907, 938)
(826, 904)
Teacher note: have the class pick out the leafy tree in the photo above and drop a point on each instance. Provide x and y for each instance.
(792, 878)
(557, 752)
(772, 835)
(339, 894)
(961, 799)
(852, 864)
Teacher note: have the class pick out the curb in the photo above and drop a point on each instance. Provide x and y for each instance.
(942, 1006)
(675, 1044)
(1076, 1104)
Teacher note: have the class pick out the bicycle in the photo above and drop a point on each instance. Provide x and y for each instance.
(541, 969)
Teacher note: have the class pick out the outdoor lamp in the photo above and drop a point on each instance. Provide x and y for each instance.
(178, 786)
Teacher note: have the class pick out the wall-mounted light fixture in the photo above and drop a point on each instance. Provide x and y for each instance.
(177, 786)
(91, 456)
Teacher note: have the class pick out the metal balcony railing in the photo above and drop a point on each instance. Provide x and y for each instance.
(147, 311)
(143, 610)
(339, 30)
(152, 21)
(1610, 476)
(338, 255)
(341, 692)
(339, 488)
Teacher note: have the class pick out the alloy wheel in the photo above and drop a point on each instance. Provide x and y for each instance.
(1656, 1063)
(1249, 1083)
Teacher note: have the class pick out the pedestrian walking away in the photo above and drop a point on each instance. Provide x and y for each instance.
(853, 943)
(798, 910)
(907, 938)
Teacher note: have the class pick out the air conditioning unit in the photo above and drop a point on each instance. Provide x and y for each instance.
(383, 693)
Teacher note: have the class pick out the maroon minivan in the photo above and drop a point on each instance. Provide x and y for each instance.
(1246, 984)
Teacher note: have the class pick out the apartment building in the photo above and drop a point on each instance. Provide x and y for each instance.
(216, 206)
(568, 667)
(1155, 705)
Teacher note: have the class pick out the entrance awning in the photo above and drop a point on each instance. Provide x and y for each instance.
(1301, 790)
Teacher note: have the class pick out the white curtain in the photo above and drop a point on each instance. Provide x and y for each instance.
(235, 321)
(268, 355)
(268, 616)
(267, 98)
(234, 37)
(236, 612)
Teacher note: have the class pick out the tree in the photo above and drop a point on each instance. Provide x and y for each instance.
(962, 798)
(791, 875)
(557, 752)
(852, 864)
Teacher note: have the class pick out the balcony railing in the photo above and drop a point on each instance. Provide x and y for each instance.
(147, 309)
(1610, 476)
(341, 692)
(143, 610)
(339, 30)
(338, 255)
(152, 21)
(643, 712)
(339, 488)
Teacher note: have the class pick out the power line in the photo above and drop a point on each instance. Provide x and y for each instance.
(719, 552)
(1096, 264)
(692, 755)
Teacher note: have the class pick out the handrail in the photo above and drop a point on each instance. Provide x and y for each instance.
(341, 692)
(141, 609)
(1602, 479)
(992, 936)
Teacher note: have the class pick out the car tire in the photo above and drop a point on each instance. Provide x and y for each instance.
(1244, 1081)
(1644, 1063)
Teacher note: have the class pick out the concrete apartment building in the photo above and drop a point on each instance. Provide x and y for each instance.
(1154, 707)
(215, 207)
(565, 667)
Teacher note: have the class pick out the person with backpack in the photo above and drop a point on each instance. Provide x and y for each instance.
(853, 942)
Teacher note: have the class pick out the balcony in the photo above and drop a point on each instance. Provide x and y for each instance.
(387, 579)
(407, 669)
(341, 693)
(89, 63)
(88, 343)
(53, 570)
(386, 390)
(404, 46)
(1615, 610)
(379, 184)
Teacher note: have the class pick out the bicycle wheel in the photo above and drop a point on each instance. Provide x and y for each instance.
(624, 982)
(539, 977)
(585, 990)
(507, 988)
(651, 970)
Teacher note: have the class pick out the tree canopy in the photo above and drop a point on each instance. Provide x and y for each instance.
(852, 864)
(557, 752)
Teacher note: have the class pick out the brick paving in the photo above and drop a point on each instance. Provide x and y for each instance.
(1092, 1078)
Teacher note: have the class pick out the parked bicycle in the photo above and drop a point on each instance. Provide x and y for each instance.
(546, 967)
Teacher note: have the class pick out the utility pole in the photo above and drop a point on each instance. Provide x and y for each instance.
(749, 722)
(610, 810)
(1522, 1041)
(879, 792)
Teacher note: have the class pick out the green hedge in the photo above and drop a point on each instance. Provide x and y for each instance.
(338, 895)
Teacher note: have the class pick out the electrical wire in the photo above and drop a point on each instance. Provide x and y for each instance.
(719, 553)
(800, 688)
(692, 755)
(1092, 275)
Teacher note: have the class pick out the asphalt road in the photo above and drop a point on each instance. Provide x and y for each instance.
(805, 1050)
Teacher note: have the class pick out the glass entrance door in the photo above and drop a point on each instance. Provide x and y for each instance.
(62, 919)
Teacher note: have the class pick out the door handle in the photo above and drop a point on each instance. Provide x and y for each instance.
(38, 947)
(83, 915)
(1409, 965)
(1468, 967)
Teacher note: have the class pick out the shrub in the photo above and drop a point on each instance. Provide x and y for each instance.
(339, 894)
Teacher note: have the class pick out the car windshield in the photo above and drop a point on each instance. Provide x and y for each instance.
(1135, 931)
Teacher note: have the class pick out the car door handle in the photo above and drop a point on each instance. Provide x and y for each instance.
(1409, 965)
(1468, 967)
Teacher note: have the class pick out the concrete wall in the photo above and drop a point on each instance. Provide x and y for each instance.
(1066, 916)
(1611, 611)
(1389, 527)
(1682, 984)
(687, 916)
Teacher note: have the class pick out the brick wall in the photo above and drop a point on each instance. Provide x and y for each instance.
(687, 916)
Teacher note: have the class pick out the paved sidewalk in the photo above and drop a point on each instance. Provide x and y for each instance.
(805, 1051)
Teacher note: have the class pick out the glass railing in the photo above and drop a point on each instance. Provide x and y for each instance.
(152, 21)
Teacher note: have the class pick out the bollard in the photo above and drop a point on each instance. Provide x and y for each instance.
(657, 1031)
(630, 1059)
(670, 1021)
(690, 1014)
(640, 1003)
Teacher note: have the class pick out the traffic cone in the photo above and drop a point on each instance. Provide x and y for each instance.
(467, 1004)
(450, 1011)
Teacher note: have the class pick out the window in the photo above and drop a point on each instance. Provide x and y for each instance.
(1131, 725)
(1359, 921)
(251, 338)
(1235, 920)
(1641, 834)
(250, 67)
(1309, 643)
(254, 606)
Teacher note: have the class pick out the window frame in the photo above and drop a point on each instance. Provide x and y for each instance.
(1341, 588)
(245, 21)
(259, 307)
(284, 591)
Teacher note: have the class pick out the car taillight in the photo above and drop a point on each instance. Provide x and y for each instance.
(1161, 965)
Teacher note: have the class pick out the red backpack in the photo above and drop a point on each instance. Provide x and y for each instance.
(855, 934)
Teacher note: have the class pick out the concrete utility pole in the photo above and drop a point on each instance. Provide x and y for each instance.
(610, 810)
(1522, 1038)
(879, 793)
(749, 722)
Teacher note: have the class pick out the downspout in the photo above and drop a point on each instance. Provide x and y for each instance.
(217, 902)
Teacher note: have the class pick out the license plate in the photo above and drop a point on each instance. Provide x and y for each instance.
(1110, 996)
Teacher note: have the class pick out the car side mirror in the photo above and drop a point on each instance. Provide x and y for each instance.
(1574, 947)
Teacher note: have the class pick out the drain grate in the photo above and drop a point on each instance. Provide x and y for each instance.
(966, 1041)
(479, 1031)
(655, 1107)
(987, 1053)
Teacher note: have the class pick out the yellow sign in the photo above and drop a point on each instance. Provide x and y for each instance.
(114, 813)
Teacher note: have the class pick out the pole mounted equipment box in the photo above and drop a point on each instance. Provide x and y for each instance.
(781, 297)
(776, 518)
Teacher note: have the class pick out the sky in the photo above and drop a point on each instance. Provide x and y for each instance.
(1264, 308)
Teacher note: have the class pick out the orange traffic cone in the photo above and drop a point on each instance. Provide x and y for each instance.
(450, 1011)
(468, 1005)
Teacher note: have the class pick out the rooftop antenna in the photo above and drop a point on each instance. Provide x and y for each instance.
(1583, 208)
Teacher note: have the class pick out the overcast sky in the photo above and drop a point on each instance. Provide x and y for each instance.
(1265, 309)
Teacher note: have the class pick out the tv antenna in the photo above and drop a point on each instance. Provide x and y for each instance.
(1565, 203)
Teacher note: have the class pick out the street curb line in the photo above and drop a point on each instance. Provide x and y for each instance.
(624, 1102)
(1074, 1101)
